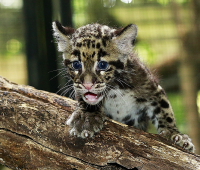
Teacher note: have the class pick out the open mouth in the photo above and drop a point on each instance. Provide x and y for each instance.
(92, 98)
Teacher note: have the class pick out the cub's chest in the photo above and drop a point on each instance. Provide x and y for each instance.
(121, 104)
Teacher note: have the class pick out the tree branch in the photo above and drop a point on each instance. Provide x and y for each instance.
(34, 136)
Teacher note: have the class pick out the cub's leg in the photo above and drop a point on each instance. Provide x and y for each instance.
(163, 119)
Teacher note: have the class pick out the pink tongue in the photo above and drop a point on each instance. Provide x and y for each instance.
(91, 96)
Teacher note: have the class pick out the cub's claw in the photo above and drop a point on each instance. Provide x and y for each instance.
(179, 139)
(73, 132)
(87, 134)
(183, 141)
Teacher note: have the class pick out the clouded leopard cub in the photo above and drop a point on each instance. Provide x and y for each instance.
(110, 80)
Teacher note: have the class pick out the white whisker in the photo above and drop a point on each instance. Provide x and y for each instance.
(65, 86)
(56, 75)
(67, 90)
(122, 82)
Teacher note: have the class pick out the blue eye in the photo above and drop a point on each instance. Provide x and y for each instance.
(103, 65)
(77, 65)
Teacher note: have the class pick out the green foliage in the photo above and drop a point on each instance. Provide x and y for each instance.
(176, 100)
(11, 31)
(80, 16)
(146, 52)
(165, 2)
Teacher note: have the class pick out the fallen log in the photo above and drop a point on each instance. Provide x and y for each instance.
(33, 135)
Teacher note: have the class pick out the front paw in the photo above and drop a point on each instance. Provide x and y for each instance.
(85, 124)
(179, 139)
(183, 141)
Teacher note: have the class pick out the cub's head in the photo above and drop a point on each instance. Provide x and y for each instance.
(93, 54)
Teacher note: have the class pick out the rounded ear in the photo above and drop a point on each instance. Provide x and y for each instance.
(125, 37)
(62, 35)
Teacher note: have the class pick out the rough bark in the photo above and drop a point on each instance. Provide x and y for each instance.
(34, 136)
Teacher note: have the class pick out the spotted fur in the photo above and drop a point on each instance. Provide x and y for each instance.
(109, 79)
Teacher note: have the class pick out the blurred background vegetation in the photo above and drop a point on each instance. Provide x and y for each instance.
(168, 41)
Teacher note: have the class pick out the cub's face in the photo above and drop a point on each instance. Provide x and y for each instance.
(92, 54)
(90, 74)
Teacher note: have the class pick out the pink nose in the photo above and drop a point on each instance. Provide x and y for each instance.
(88, 86)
